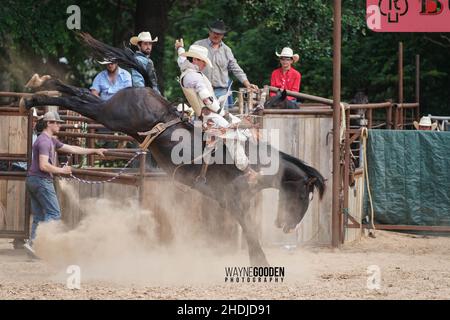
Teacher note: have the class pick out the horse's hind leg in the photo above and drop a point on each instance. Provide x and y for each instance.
(39, 100)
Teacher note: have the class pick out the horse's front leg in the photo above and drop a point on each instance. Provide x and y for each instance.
(239, 209)
(255, 251)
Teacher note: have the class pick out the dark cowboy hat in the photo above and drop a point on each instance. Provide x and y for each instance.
(218, 26)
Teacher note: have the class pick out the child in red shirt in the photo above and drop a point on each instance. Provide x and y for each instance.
(286, 77)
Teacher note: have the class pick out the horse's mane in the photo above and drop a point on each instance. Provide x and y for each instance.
(319, 182)
(158, 97)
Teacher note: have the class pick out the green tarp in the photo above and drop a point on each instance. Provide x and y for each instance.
(409, 173)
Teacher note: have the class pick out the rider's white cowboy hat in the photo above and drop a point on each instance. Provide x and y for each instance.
(288, 53)
(425, 122)
(198, 52)
(144, 36)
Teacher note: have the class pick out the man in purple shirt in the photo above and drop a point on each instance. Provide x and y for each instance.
(39, 182)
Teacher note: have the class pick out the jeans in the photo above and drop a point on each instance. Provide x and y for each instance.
(44, 203)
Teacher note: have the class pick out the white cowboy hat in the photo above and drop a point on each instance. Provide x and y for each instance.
(144, 36)
(288, 53)
(107, 61)
(198, 52)
(425, 122)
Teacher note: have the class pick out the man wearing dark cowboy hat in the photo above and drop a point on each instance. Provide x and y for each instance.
(144, 42)
(222, 59)
(39, 182)
(110, 81)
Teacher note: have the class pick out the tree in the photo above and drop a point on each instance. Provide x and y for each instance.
(34, 37)
(153, 16)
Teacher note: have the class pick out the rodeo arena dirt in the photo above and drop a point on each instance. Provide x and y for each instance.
(323, 227)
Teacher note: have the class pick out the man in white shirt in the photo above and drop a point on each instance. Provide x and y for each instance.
(200, 95)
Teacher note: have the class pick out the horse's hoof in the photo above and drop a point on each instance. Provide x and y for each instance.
(22, 107)
(32, 83)
(36, 81)
(260, 263)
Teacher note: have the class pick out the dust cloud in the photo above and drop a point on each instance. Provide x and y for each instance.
(118, 241)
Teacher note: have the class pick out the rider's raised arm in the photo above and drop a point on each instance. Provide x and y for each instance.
(183, 62)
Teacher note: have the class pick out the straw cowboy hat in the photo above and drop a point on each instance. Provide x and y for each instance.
(199, 52)
(425, 122)
(144, 36)
(52, 116)
(288, 53)
(218, 26)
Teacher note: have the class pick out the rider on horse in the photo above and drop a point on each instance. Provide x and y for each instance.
(200, 95)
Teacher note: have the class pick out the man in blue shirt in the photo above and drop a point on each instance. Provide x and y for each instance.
(144, 42)
(110, 81)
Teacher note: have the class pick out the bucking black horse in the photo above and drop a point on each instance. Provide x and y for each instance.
(134, 110)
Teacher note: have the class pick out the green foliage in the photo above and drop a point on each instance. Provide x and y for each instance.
(33, 36)
(259, 28)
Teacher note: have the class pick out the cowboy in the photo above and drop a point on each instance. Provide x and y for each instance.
(39, 181)
(425, 124)
(200, 94)
(286, 77)
(144, 42)
(222, 62)
(110, 81)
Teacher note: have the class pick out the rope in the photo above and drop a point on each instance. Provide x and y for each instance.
(310, 240)
(343, 124)
(243, 115)
(364, 135)
(121, 171)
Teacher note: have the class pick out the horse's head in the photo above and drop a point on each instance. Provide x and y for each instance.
(296, 187)
(276, 102)
(280, 101)
(293, 203)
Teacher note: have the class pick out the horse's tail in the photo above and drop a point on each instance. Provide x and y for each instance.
(315, 177)
(124, 57)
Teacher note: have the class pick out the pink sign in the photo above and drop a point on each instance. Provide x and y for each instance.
(408, 15)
